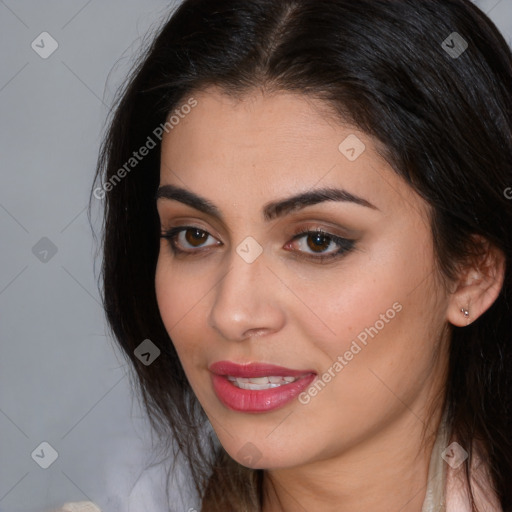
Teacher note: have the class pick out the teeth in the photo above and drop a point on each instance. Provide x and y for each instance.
(260, 380)
(260, 383)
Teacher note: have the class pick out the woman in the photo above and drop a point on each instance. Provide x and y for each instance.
(307, 247)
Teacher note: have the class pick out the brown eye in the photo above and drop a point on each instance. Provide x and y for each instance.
(318, 245)
(196, 237)
(318, 242)
(185, 239)
(313, 242)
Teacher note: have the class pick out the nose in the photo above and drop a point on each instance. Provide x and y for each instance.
(247, 301)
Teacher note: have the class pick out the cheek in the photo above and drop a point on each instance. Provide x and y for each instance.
(179, 297)
(353, 301)
(380, 313)
(385, 320)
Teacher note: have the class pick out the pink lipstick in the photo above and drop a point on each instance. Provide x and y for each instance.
(257, 387)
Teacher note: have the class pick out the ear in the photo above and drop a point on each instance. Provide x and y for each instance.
(478, 285)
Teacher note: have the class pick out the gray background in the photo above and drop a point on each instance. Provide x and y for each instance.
(61, 378)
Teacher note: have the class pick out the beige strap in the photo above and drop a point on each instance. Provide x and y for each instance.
(435, 495)
(79, 506)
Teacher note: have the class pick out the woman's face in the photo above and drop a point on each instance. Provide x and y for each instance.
(352, 317)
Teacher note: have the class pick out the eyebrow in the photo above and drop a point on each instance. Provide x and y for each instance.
(272, 210)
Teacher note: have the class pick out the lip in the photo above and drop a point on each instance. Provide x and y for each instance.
(257, 401)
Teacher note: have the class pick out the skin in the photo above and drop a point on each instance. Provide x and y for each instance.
(363, 442)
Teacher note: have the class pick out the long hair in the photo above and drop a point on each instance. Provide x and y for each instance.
(439, 103)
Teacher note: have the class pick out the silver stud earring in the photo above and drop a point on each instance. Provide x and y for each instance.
(465, 311)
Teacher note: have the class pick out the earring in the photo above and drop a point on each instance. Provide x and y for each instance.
(465, 311)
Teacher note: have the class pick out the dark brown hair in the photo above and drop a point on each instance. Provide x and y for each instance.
(445, 122)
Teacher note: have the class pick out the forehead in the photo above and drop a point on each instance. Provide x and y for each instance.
(255, 122)
(265, 146)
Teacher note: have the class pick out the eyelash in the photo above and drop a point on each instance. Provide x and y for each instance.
(345, 245)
